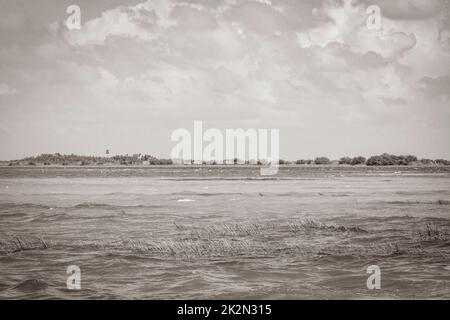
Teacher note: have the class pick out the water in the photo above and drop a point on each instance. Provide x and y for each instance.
(201, 233)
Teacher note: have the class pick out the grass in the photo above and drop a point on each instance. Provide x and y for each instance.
(432, 233)
(14, 244)
(302, 237)
(300, 225)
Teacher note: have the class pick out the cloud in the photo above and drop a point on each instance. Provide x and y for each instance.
(408, 9)
(143, 22)
(136, 71)
(5, 89)
(347, 25)
(436, 87)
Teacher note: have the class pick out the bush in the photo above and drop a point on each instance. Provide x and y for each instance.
(391, 160)
(358, 160)
(426, 161)
(442, 162)
(322, 160)
(345, 160)
(411, 159)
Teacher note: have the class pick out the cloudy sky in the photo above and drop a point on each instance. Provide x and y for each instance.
(136, 71)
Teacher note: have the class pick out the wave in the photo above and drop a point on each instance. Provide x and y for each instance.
(27, 206)
(106, 206)
(411, 202)
(31, 285)
(83, 205)
(256, 178)
(254, 193)
(205, 194)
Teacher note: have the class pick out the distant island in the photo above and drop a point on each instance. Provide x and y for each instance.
(148, 160)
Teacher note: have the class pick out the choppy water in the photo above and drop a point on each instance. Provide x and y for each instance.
(224, 232)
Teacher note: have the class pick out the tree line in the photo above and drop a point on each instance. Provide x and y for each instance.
(384, 159)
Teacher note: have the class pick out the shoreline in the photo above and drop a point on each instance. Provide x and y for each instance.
(176, 166)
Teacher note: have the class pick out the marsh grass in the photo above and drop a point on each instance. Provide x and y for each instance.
(432, 233)
(303, 224)
(13, 244)
(301, 237)
(191, 249)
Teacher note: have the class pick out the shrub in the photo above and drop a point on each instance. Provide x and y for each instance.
(166, 161)
(358, 160)
(390, 160)
(442, 162)
(345, 160)
(411, 159)
(322, 160)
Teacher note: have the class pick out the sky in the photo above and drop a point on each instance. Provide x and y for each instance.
(138, 70)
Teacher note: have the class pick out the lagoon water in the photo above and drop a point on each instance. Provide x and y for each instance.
(224, 232)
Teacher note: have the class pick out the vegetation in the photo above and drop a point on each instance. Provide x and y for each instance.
(358, 160)
(345, 160)
(72, 159)
(352, 161)
(432, 232)
(12, 244)
(442, 162)
(391, 160)
(304, 162)
(384, 159)
(322, 160)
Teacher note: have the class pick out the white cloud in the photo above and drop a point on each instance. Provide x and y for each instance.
(311, 68)
(143, 21)
(5, 89)
(347, 26)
